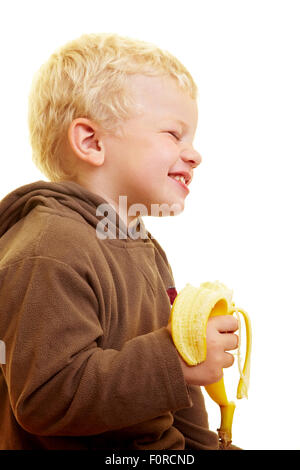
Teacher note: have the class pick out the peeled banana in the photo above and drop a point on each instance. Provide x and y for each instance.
(189, 315)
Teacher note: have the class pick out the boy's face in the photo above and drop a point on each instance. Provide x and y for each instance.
(153, 145)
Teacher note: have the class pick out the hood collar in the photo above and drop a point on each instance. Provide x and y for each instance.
(69, 198)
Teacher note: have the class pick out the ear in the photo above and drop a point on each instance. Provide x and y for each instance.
(84, 137)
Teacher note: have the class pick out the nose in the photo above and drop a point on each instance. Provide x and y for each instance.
(191, 156)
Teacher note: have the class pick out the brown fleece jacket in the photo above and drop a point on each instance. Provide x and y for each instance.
(89, 361)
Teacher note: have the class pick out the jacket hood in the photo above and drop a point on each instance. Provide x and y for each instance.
(65, 197)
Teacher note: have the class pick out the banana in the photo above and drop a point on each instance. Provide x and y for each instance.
(189, 315)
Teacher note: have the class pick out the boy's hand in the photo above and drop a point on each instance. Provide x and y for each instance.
(219, 339)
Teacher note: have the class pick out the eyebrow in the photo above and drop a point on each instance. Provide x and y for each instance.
(179, 121)
(182, 123)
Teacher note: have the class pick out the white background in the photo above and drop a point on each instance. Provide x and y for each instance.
(240, 224)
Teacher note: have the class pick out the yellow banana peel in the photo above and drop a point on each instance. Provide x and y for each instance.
(189, 315)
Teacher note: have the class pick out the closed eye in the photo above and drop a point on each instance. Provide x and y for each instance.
(174, 134)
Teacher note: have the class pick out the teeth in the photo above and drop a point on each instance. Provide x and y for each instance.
(179, 178)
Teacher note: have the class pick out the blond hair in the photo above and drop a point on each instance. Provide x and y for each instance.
(87, 77)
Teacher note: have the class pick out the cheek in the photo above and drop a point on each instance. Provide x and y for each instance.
(160, 157)
(148, 161)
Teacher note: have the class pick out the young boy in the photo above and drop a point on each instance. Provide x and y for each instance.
(90, 362)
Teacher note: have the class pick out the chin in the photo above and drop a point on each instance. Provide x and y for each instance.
(167, 209)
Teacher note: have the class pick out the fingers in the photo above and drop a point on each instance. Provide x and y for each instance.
(228, 360)
(230, 341)
(225, 323)
(221, 338)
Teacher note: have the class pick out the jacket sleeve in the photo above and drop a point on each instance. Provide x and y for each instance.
(60, 381)
(193, 423)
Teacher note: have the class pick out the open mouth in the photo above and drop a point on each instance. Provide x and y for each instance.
(180, 179)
